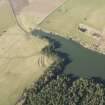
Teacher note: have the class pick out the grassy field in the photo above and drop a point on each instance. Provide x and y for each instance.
(21, 60)
(36, 11)
(66, 20)
(21, 63)
(6, 16)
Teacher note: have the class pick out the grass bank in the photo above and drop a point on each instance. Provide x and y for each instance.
(67, 18)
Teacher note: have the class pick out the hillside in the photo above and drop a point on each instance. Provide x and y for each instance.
(32, 57)
(21, 60)
(73, 16)
(32, 12)
(6, 16)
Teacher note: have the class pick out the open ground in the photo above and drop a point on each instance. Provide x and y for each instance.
(67, 19)
(6, 16)
(21, 60)
(32, 12)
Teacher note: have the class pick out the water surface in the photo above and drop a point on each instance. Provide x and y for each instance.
(84, 61)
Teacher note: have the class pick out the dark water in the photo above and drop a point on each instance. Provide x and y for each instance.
(84, 61)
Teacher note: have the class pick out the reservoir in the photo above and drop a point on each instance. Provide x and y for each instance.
(85, 63)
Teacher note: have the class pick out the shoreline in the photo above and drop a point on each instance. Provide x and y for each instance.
(52, 71)
(75, 40)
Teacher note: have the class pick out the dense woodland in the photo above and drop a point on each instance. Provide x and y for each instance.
(64, 91)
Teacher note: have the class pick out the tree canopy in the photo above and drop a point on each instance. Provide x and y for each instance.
(65, 90)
